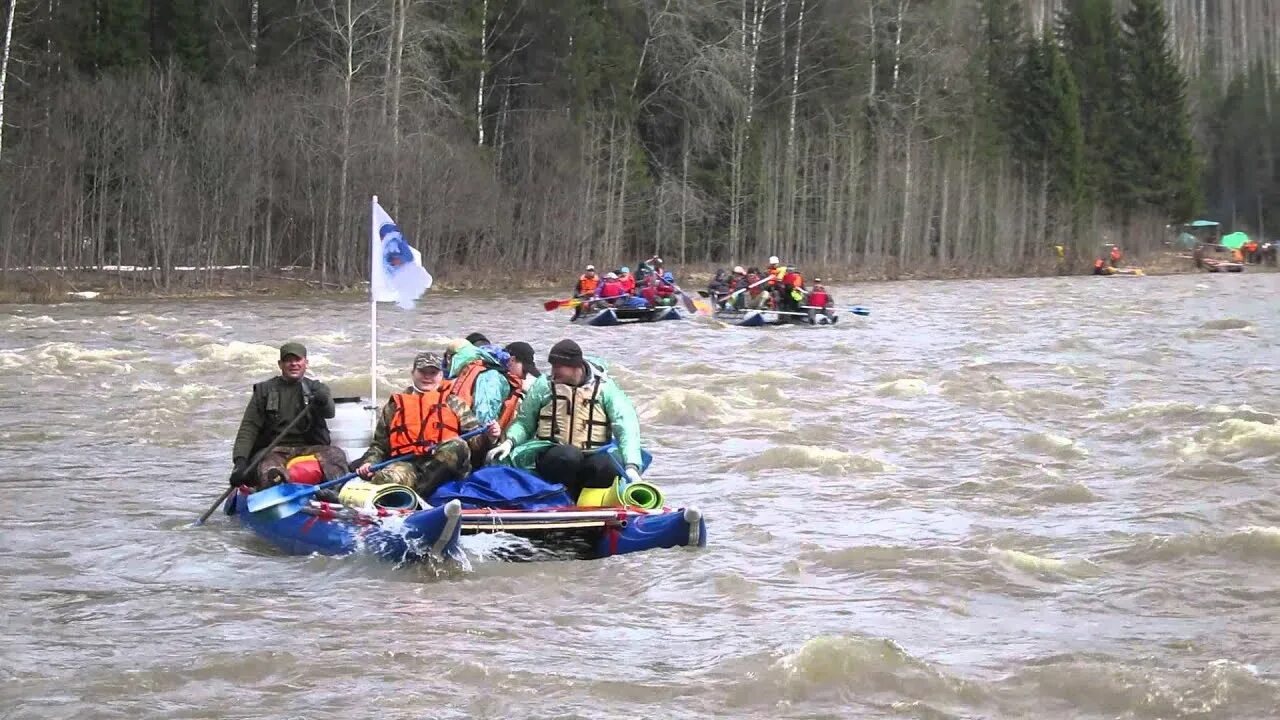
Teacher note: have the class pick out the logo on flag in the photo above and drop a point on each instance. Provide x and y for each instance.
(397, 273)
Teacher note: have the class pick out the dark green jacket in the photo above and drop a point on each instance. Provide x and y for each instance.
(273, 404)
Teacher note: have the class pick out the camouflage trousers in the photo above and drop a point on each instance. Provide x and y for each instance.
(450, 461)
(332, 460)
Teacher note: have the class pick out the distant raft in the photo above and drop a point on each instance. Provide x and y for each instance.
(610, 316)
(1123, 272)
(1214, 266)
(761, 318)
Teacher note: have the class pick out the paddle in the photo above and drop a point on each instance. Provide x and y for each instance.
(757, 283)
(684, 297)
(556, 304)
(859, 310)
(281, 494)
(574, 302)
(306, 401)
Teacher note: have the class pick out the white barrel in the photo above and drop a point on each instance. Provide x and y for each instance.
(351, 427)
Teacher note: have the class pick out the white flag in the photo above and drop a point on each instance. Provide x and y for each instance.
(396, 274)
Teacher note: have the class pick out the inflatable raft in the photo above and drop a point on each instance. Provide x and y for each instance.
(622, 519)
(760, 318)
(400, 535)
(1214, 266)
(609, 316)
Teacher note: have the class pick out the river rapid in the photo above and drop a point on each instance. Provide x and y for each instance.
(988, 499)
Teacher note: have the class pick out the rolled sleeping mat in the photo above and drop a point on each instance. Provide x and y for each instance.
(642, 495)
(369, 496)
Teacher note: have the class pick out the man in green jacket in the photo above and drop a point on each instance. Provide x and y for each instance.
(272, 407)
(565, 416)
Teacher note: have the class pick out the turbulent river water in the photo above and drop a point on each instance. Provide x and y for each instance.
(1008, 498)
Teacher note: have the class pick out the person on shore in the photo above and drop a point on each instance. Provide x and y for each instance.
(566, 417)
(425, 420)
(273, 406)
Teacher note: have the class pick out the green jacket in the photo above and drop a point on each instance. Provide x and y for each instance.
(273, 404)
(381, 448)
(624, 424)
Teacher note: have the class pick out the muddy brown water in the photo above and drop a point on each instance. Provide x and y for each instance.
(1014, 498)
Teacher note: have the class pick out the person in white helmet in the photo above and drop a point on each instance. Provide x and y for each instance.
(737, 280)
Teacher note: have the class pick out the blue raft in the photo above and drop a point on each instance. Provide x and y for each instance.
(760, 318)
(610, 316)
(472, 507)
(310, 527)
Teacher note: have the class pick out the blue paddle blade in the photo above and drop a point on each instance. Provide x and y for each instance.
(860, 310)
(278, 495)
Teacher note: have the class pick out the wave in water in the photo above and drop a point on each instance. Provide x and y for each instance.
(827, 461)
(1252, 542)
(1043, 566)
(72, 359)
(902, 388)
(1235, 439)
(686, 407)
(1056, 446)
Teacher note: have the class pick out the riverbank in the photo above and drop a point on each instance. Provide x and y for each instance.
(43, 286)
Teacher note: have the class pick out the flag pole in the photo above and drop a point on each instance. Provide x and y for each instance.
(373, 309)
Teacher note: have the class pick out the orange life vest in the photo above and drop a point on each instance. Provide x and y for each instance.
(421, 420)
(1099, 263)
(1115, 253)
(464, 386)
(587, 285)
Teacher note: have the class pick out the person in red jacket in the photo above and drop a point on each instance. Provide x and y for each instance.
(821, 301)
(627, 279)
(611, 291)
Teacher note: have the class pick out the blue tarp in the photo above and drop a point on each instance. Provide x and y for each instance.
(502, 487)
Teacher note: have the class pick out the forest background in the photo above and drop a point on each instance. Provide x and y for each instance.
(525, 138)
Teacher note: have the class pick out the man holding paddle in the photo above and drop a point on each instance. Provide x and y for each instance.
(285, 418)
(427, 420)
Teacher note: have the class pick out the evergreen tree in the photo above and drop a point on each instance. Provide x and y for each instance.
(1243, 178)
(1050, 136)
(116, 35)
(1091, 42)
(1163, 153)
(1001, 54)
(188, 34)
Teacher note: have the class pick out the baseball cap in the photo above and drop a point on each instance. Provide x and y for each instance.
(293, 348)
(523, 352)
(427, 361)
